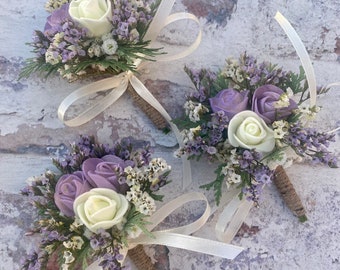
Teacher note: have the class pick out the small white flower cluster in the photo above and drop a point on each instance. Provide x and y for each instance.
(284, 101)
(142, 200)
(43, 178)
(52, 56)
(194, 110)
(190, 134)
(76, 242)
(135, 177)
(109, 46)
(156, 168)
(52, 5)
(309, 113)
(229, 171)
(76, 224)
(233, 70)
(280, 129)
(64, 72)
(68, 258)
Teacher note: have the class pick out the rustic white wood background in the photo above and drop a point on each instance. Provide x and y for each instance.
(31, 134)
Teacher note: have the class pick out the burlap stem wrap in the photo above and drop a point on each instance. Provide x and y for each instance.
(150, 111)
(288, 193)
(140, 258)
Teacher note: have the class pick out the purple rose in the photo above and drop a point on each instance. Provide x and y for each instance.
(56, 18)
(68, 188)
(230, 102)
(104, 172)
(264, 103)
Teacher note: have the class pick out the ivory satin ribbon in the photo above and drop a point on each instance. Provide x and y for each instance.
(179, 237)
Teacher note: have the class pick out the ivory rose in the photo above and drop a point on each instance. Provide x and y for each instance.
(94, 15)
(247, 130)
(100, 208)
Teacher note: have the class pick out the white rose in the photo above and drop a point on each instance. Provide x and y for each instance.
(247, 130)
(95, 15)
(100, 208)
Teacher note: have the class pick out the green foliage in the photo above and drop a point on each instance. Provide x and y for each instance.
(216, 185)
(184, 123)
(123, 61)
(135, 219)
(39, 66)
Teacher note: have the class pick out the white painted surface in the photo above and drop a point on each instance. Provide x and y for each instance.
(30, 133)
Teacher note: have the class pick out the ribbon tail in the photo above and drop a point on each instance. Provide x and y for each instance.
(192, 243)
(148, 97)
(232, 216)
(231, 219)
(302, 53)
(157, 23)
(175, 204)
(183, 16)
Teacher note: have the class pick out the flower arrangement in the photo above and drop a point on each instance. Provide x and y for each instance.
(83, 38)
(249, 116)
(101, 198)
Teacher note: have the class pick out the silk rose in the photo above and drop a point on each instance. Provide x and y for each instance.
(68, 188)
(247, 130)
(100, 208)
(230, 102)
(94, 15)
(265, 100)
(105, 172)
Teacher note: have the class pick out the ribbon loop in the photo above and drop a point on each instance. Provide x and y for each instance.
(170, 207)
(118, 84)
(179, 236)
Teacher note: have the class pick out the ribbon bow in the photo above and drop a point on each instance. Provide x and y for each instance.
(180, 237)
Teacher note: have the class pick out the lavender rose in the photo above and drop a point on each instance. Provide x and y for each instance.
(230, 102)
(68, 188)
(104, 172)
(265, 103)
(57, 17)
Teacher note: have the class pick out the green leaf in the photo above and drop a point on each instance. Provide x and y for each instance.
(216, 184)
(136, 218)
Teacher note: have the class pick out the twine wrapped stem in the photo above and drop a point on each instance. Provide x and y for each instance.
(288, 193)
(156, 118)
(140, 258)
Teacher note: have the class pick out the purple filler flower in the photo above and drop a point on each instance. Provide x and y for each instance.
(230, 102)
(105, 172)
(68, 188)
(55, 20)
(264, 100)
